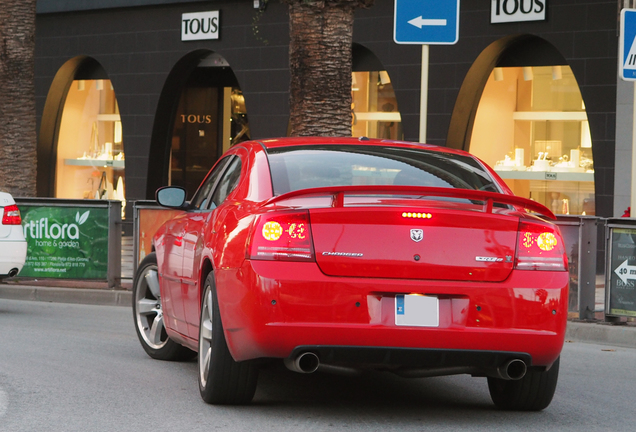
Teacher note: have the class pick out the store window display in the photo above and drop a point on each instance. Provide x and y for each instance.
(90, 151)
(374, 108)
(531, 126)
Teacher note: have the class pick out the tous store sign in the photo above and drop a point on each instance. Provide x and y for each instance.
(517, 10)
(200, 26)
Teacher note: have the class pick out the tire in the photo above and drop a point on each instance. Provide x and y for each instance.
(533, 392)
(221, 379)
(148, 315)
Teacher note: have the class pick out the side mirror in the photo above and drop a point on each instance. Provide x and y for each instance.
(171, 196)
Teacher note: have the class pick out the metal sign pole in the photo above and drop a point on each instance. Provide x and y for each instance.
(424, 94)
(627, 72)
(633, 181)
(425, 22)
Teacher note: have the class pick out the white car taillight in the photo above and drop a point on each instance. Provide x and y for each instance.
(282, 237)
(540, 247)
(11, 215)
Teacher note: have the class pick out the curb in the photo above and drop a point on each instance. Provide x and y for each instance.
(99, 297)
(602, 334)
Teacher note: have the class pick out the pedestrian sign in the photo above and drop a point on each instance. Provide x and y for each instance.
(426, 22)
(627, 45)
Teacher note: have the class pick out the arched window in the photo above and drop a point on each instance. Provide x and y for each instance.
(374, 106)
(520, 109)
(80, 145)
(201, 113)
(90, 151)
(531, 126)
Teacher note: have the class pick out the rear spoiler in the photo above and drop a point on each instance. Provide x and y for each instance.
(489, 198)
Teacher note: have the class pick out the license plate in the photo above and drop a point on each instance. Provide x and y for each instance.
(416, 310)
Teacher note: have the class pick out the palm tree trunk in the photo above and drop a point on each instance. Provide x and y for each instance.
(17, 98)
(321, 33)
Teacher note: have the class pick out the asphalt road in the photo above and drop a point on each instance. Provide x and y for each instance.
(67, 367)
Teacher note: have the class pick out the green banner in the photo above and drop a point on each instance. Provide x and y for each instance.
(65, 242)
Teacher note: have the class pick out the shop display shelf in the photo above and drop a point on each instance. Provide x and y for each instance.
(546, 175)
(100, 163)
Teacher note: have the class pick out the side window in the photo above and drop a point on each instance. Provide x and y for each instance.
(228, 182)
(200, 199)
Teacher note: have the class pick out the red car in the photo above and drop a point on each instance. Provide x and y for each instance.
(347, 254)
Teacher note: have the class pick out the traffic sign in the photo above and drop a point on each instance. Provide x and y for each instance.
(426, 22)
(627, 45)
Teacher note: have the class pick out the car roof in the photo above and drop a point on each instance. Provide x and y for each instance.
(273, 143)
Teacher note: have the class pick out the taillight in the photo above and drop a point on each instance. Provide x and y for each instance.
(11, 215)
(540, 247)
(282, 237)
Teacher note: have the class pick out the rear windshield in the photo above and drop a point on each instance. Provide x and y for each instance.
(304, 167)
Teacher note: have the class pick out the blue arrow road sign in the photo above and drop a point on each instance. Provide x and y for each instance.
(426, 22)
(627, 46)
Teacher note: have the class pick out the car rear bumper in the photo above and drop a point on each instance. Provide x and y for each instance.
(271, 309)
(12, 256)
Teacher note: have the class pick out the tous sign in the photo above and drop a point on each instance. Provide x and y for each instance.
(199, 119)
(200, 25)
(517, 10)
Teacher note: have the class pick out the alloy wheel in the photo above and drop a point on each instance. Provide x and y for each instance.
(205, 339)
(149, 315)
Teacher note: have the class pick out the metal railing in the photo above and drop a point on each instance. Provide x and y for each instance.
(580, 238)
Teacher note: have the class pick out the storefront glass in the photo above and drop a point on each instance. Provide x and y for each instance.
(531, 126)
(209, 119)
(90, 152)
(374, 106)
(195, 137)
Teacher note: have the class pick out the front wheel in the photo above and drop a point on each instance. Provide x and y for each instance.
(148, 314)
(221, 379)
(533, 392)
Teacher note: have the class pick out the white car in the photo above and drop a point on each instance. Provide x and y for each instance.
(13, 247)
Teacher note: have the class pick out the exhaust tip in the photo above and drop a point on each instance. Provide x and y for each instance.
(307, 362)
(514, 369)
(13, 272)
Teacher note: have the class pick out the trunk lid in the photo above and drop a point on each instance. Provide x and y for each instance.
(435, 243)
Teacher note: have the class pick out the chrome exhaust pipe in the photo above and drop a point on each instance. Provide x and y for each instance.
(514, 369)
(13, 272)
(306, 362)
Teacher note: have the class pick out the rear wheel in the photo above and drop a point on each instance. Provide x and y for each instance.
(533, 392)
(148, 315)
(221, 379)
